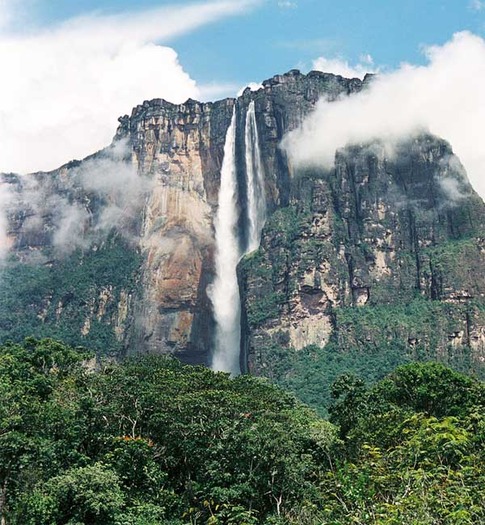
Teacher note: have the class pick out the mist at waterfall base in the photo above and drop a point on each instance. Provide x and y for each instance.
(224, 291)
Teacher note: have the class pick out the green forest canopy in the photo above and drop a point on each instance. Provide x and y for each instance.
(151, 441)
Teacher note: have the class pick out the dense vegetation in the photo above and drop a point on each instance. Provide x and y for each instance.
(73, 298)
(151, 441)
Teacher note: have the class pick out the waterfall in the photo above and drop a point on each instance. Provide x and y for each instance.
(255, 181)
(224, 292)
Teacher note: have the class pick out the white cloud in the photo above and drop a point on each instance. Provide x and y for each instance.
(118, 183)
(253, 86)
(110, 177)
(5, 199)
(63, 89)
(339, 66)
(446, 97)
(477, 5)
(287, 4)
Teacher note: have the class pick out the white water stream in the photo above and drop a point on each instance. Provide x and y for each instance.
(224, 292)
(255, 181)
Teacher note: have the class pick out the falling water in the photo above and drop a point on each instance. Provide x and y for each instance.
(255, 181)
(224, 292)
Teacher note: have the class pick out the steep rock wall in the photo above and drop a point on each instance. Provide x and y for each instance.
(382, 255)
(97, 267)
(365, 257)
(181, 149)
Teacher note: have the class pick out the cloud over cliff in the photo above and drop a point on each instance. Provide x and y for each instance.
(78, 207)
(339, 66)
(445, 97)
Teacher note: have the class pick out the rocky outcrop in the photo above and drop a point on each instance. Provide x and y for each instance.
(181, 149)
(381, 252)
(368, 255)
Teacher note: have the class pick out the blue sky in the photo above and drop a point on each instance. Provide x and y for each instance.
(275, 36)
(73, 67)
(274, 39)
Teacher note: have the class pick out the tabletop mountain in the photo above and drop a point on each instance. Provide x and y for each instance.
(374, 262)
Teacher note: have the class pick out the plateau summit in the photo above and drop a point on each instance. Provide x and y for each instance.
(196, 233)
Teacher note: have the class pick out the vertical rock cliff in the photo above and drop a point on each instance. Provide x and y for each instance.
(383, 255)
(373, 263)
(182, 148)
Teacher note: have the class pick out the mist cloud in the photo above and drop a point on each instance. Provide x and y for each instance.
(113, 178)
(63, 88)
(339, 66)
(75, 207)
(445, 97)
(5, 199)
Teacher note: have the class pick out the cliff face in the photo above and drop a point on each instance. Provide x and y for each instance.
(381, 256)
(165, 157)
(180, 149)
(360, 257)
(67, 274)
(116, 251)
